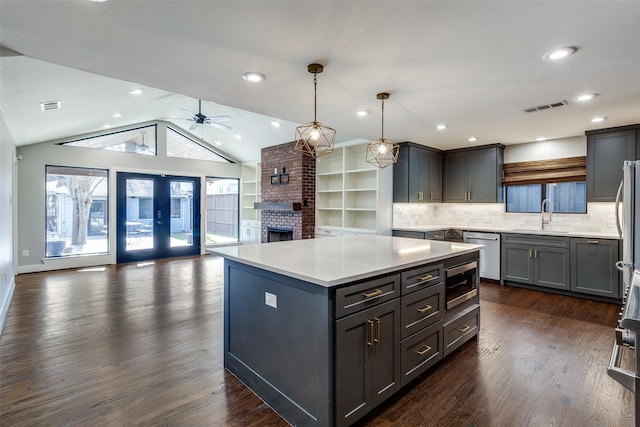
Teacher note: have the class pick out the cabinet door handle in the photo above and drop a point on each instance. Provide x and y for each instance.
(592, 242)
(469, 196)
(535, 253)
(424, 309)
(530, 253)
(370, 326)
(378, 338)
(426, 350)
(431, 195)
(425, 278)
(464, 328)
(372, 294)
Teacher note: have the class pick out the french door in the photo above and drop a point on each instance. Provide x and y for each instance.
(158, 216)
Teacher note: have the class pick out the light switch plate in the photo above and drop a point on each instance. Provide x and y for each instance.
(271, 300)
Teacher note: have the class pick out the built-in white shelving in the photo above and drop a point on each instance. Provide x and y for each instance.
(352, 196)
(251, 193)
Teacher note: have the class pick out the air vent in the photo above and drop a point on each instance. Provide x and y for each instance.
(546, 106)
(50, 105)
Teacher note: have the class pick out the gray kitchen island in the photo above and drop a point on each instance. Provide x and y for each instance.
(324, 330)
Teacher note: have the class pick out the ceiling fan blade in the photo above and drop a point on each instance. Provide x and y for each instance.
(193, 126)
(218, 126)
(216, 119)
(193, 116)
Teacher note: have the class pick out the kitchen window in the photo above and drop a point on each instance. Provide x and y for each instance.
(563, 181)
(567, 197)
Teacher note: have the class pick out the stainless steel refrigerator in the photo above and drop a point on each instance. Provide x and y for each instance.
(629, 323)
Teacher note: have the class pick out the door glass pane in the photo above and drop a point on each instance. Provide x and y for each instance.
(222, 211)
(181, 213)
(139, 222)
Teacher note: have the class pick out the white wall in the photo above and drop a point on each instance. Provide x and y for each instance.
(545, 150)
(7, 173)
(31, 189)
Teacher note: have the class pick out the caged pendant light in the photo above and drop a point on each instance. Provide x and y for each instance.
(382, 152)
(315, 139)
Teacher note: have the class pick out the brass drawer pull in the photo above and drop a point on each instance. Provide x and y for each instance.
(425, 278)
(424, 309)
(426, 350)
(377, 339)
(373, 294)
(370, 324)
(592, 242)
(464, 328)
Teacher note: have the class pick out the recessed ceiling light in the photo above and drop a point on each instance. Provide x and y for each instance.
(217, 143)
(441, 126)
(363, 113)
(136, 92)
(116, 115)
(275, 123)
(541, 138)
(585, 97)
(472, 139)
(253, 77)
(106, 126)
(598, 119)
(561, 53)
(237, 136)
(98, 1)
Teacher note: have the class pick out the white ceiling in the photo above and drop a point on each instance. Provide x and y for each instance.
(474, 65)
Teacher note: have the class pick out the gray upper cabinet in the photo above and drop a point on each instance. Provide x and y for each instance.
(474, 175)
(417, 176)
(607, 149)
(593, 268)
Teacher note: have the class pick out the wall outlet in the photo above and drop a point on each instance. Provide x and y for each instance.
(271, 300)
(25, 253)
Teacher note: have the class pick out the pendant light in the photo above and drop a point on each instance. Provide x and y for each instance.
(315, 139)
(382, 152)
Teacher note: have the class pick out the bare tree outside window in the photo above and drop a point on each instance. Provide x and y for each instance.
(70, 192)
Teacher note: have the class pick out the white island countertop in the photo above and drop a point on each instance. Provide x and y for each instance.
(335, 261)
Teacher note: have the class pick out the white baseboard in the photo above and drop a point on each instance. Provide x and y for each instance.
(6, 302)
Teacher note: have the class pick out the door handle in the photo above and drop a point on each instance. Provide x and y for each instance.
(372, 294)
(425, 278)
(370, 326)
(378, 338)
(464, 328)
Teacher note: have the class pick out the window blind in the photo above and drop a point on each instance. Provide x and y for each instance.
(567, 169)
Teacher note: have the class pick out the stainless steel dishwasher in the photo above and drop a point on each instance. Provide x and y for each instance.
(489, 255)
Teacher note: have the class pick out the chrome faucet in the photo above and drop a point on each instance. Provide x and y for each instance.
(544, 203)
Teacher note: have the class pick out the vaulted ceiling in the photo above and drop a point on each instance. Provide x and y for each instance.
(473, 65)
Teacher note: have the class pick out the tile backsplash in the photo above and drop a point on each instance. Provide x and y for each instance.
(600, 217)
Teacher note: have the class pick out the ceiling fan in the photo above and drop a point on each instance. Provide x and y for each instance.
(201, 119)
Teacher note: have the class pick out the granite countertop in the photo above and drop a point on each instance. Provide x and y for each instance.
(560, 233)
(338, 260)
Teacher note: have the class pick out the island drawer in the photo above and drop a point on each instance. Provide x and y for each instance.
(360, 296)
(421, 351)
(421, 277)
(461, 329)
(422, 308)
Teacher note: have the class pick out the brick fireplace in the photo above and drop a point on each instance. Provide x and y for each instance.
(288, 191)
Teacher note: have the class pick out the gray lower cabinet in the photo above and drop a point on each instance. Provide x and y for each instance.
(593, 268)
(368, 366)
(536, 260)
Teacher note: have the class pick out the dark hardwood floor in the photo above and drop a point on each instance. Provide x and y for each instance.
(142, 345)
